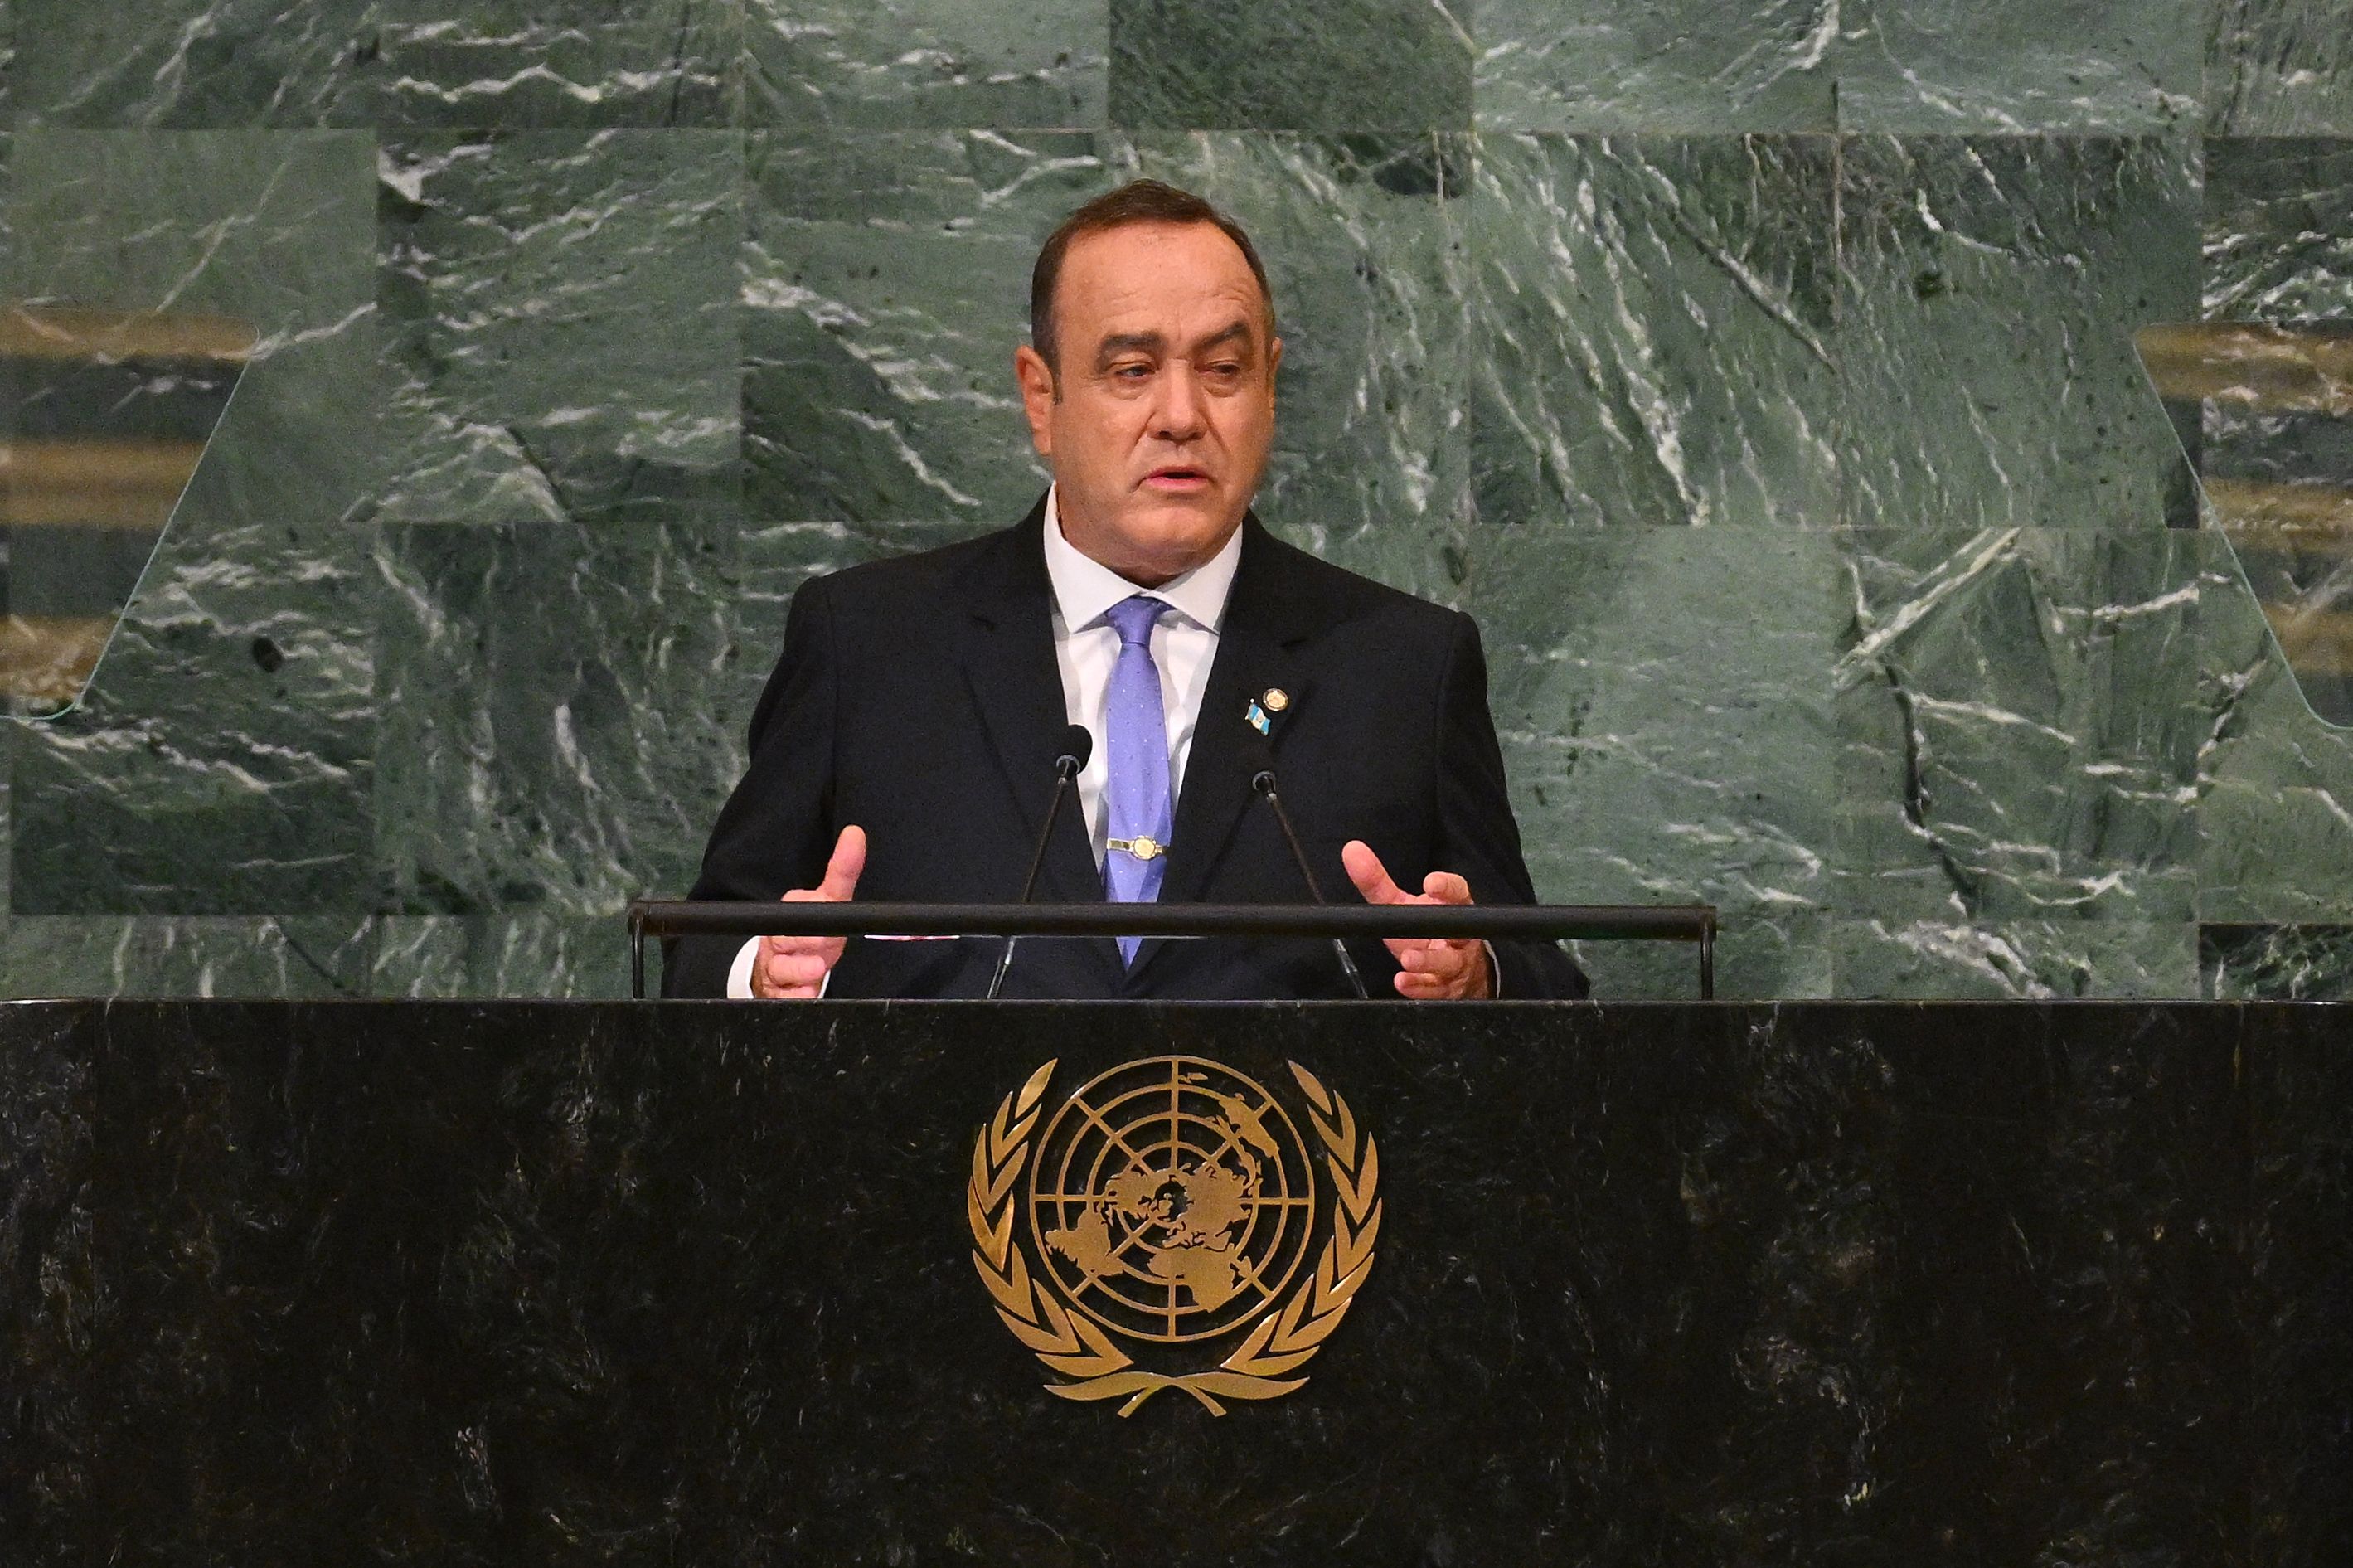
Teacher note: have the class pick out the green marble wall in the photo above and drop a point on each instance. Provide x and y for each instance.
(1761, 375)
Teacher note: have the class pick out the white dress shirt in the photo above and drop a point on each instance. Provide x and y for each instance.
(1184, 646)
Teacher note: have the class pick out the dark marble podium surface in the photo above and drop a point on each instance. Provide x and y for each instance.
(1820, 1283)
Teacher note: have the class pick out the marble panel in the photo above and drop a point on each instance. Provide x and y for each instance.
(2299, 1077)
(8, 293)
(2020, 67)
(564, 710)
(109, 428)
(1771, 1285)
(1654, 331)
(2067, 959)
(2262, 409)
(2276, 963)
(1662, 700)
(271, 230)
(522, 955)
(1289, 65)
(2275, 805)
(1681, 67)
(2279, 228)
(895, 65)
(2138, 1153)
(2279, 67)
(223, 759)
(561, 320)
(221, 766)
(206, 63)
(1990, 292)
(9, 288)
(241, 956)
(885, 286)
(49, 1097)
(7, 811)
(2019, 715)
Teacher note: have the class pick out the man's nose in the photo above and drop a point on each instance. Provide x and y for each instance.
(1179, 416)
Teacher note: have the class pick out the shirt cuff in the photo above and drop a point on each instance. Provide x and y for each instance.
(739, 973)
(1495, 974)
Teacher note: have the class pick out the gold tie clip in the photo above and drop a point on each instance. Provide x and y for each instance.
(1143, 846)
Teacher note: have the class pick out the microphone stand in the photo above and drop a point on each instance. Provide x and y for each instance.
(1066, 773)
(1264, 783)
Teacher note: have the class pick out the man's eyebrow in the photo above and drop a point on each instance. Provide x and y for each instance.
(1121, 342)
(1239, 331)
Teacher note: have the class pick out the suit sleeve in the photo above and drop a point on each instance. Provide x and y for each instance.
(1478, 838)
(776, 829)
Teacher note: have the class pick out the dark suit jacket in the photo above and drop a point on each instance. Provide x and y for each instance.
(919, 698)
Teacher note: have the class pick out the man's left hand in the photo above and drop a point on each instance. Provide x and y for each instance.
(1428, 970)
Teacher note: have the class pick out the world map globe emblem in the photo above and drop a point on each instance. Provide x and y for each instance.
(1171, 1199)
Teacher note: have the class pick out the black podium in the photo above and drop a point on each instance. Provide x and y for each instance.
(1480, 1284)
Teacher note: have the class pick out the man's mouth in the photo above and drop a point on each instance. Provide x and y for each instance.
(1176, 478)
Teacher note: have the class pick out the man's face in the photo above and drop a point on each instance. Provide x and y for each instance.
(1160, 434)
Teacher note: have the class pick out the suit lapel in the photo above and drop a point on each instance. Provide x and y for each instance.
(1257, 642)
(1016, 688)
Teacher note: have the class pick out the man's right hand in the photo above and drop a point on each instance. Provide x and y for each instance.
(797, 966)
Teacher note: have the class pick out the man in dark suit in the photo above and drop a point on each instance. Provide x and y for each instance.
(904, 747)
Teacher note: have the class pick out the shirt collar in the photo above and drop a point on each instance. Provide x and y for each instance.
(1084, 587)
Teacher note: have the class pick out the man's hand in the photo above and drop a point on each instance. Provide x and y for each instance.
(1430, 971)
(797, 966)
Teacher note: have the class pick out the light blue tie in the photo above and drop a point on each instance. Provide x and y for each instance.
(1135, 793)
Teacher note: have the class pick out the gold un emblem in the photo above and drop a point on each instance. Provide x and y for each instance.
(1167, 1211)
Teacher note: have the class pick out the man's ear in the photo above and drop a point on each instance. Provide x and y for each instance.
(1037, 379)
(1273, 362)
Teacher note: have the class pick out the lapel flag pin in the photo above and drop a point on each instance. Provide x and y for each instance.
(1265, 707)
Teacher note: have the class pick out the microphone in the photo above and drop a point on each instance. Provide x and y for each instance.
(1263, 784)
(1078, 745)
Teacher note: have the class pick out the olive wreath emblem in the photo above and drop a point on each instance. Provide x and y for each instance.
(1278, 1342)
